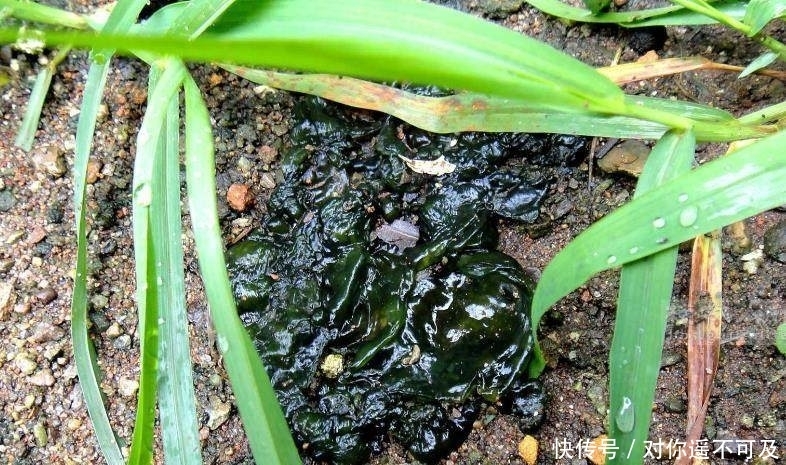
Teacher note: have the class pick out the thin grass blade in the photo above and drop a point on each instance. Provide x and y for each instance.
(84, 353)
(642, 309)
(36, 12)
(718, 193)
(762, 61)
(663, 16)
(26, 134)
(177, 402)
(263, 420)
(149, 211)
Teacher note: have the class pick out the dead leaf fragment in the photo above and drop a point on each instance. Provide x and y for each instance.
(436, 167)
(400, 233)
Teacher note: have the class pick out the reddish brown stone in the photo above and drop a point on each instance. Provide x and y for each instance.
(239, 197)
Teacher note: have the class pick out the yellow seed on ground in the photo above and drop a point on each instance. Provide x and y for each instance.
(528, 450)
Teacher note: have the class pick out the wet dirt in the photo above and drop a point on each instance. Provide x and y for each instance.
(44, 418)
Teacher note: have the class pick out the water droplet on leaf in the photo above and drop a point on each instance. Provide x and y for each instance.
(633, 250)
(625, 417)
(612, 259)
(659, 222)
(682, 198)
(689, 216)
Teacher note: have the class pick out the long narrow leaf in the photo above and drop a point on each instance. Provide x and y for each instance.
(179, 425)
(266, 428)
(476, 112)
(33, 11)
(642, 310)
(664, 16)
(720, 192)
(177, 403)
(147, 255)
(26, 134)
(84, 353)
(403, 40)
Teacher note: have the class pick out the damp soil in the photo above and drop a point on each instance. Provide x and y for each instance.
(44, 418)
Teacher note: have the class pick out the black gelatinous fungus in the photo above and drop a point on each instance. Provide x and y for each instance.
(375, 295)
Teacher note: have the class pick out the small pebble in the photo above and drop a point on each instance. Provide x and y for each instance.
(46, 295)
(99, 301)
(7, 297)
(46, 332)
(627, 157)
(73, 424)
(36, 235)
(267, 181)
(25, 363)
(239, 197)
(217, 412)
(127, 387)
(51, 161)
(7, 200)
(775, 242)
(122, 342)
(39, 432)
(674, 404)
(268, 154)
(42, 378)
(244, 165)
(55, 213)
(93, 171)
(113, 331)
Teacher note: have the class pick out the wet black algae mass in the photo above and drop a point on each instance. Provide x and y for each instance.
(375, 294)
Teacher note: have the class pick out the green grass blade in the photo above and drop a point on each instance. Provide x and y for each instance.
(663, 16)
(761, 62)
(26, 134)
(596, 6)
(36, 12)
(718, 193)
(761, 12)
(198, 15)
(266, 428)
(84, 354)
(149, 214)
(642, 309)
(412, 41)
(470, 111)
(177, 403)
